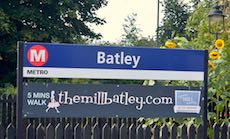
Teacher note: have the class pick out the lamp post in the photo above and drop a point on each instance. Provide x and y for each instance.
(216, 21)
(158, 21)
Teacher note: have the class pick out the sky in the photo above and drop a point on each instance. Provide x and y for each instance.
(117, 10)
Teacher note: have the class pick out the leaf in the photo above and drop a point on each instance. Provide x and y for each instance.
(141, 119)
(212, 115)
(220, 106)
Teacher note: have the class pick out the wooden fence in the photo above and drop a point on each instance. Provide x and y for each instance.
(114, 132)
(97, 128)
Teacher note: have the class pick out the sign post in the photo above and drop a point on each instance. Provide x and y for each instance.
(205, 95)
(19, 119)
(44, 60)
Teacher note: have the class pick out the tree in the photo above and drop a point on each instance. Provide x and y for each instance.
(219, 73)
(218, 65)
(132, 32)
(194, 3)
(45, 21)
(132, 35)
(174, 21)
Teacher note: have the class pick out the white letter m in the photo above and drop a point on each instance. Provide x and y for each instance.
(37, 56)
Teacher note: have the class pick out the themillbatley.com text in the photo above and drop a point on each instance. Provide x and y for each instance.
(102, 98)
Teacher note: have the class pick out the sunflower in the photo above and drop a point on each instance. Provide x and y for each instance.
(211, 65)
(170, 44)
(214, 55)
(219, 44)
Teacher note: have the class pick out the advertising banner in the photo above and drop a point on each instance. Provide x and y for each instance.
(69, 100)
(43, 60)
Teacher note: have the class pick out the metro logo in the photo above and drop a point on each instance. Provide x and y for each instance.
(37, 55)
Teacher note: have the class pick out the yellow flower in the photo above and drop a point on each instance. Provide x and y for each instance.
(214, 55)
(211, 65)
(170, 44)
(219, 44)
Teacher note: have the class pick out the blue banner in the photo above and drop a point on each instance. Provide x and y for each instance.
(74, 56)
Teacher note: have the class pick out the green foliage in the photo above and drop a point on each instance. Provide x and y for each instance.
(219, 76)
(197, 22)
(194, 3)
(146, 42)
(174, 21)
(131, 30)
(8, 89)
(86, 81)
(132, 36)
(43, 21)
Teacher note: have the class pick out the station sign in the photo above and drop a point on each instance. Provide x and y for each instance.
(49, 100)
(44, 60)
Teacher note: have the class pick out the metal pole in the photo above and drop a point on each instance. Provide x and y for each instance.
(19, 120)
(216, 36)
(158, 20)
(205, 96)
